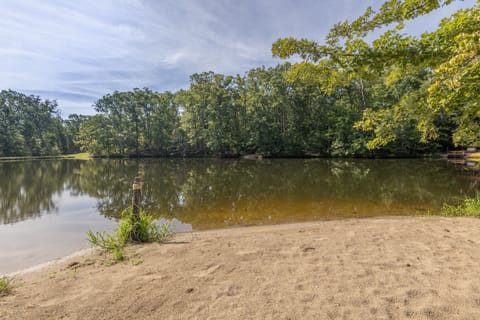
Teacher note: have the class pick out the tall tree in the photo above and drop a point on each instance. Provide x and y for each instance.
(449, 56)
(29, 125)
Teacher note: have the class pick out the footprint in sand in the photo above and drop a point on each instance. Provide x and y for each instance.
(246, 252)
(210, 270)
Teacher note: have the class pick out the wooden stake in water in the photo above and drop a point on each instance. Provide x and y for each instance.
(137, 192)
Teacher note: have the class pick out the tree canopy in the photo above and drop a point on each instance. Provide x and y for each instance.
(29, 126)
(447, 60)
(259, 112)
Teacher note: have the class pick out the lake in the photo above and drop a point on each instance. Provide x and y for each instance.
(47, 206)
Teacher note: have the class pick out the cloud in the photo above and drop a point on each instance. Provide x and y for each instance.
(77, 51)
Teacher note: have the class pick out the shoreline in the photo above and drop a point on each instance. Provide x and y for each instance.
(87, 156)
(82, 252)
(51, 263)
(397, 267)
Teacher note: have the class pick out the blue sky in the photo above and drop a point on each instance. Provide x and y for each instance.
(77, 51)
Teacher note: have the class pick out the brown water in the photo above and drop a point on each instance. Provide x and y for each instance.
(47, 206)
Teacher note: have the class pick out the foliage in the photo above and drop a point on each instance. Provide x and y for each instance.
(72, 128)
(260, 112)
(398, 95)
(448, 56)
(130, 230)
(5, 286)
(108, 242)
(468, 207)
(145, 229)
(139, 122)
(29, 126)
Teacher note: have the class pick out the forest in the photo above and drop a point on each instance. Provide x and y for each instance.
(396, 96)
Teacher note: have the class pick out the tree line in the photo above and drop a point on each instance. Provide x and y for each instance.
(398, 95)
(219, 115)
(260, 112)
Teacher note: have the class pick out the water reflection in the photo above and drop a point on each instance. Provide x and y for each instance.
(467, 167)
(27, 188)
(202, 194)
(208, 193)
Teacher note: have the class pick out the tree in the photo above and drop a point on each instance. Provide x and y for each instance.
(138, 123)
(449, 56)
(210, 116)
(72, 128)
(29, 125)
(95, 136)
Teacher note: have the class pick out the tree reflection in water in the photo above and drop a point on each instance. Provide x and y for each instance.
(209, 193)
(28, 188)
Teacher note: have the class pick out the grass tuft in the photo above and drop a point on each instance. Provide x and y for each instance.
(5, 286)
(79, 156)
(129, 231)
(468, 207)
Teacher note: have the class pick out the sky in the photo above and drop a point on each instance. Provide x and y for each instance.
(77, 51)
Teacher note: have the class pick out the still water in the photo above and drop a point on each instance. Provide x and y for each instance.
(47, 206)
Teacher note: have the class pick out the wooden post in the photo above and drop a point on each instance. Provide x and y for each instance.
(137, 192)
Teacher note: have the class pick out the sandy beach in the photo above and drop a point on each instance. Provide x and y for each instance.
(374, 268)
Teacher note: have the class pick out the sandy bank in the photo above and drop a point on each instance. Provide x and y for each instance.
(379, 268)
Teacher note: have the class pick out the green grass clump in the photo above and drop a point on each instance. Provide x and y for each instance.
(5, 286)
(469, 207)
(79, 156)
(109, 242)
(129, 231)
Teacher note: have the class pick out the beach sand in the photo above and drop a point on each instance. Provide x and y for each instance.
(374, 268)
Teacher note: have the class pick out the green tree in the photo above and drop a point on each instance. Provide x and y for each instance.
(449, 55)
(95, 136)
(29, 125)
(72, 128)
(138, 122)
(210, 117)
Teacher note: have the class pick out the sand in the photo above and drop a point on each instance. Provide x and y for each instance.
(375, 268)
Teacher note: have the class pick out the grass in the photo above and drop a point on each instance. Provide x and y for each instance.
(5, 286)
(76, 156)
(468, 207)
(129, 231)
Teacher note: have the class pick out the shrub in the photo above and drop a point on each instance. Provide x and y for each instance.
(469, 207)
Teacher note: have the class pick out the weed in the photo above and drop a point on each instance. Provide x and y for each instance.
(5, 286)
(136, 261)
(131, 230)
(108, 242)
(469, 207)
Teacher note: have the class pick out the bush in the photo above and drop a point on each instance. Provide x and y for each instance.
(469, 207)
(131, 230)
(5, 286)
